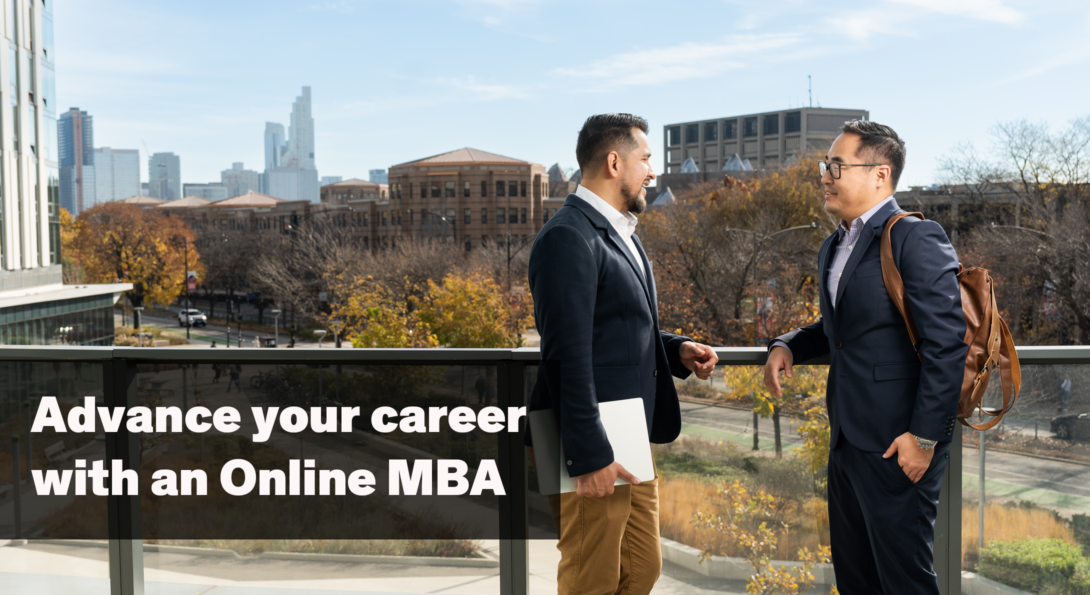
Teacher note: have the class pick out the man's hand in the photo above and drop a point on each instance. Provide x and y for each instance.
(700, 359)
(913, 460)
(600, 483)
(780, 358)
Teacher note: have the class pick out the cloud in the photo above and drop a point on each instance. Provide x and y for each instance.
(686, 61)
(985, 10)
(484, 91)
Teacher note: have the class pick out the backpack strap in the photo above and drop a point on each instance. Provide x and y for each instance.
(895, 285)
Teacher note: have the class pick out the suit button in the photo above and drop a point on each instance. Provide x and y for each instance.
(839, 344)
(655, 373)
(569, 462)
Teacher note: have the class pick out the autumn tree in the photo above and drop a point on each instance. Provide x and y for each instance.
(1041, 246)
(728, 241)
(472, 310)
(115, 240)
(72, 270)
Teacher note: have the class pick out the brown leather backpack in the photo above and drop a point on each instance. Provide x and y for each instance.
(990, 343)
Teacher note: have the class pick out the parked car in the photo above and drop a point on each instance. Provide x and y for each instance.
(196, 317)
(1074, 427)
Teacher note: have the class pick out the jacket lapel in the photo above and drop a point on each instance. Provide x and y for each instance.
(824, 257)
(650, 280)
(870, 230)
(600, 222)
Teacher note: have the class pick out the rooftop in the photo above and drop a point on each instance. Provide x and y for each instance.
(250, 199)
(184, 203)
(466, 155)
(140, 199)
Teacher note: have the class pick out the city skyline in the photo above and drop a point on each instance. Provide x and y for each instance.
(892, 58)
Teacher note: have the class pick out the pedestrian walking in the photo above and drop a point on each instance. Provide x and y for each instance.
(218, 370)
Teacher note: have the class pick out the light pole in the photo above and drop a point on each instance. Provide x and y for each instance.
(321, 335)
(136, 324)
(527, 241)
(276, 325)
(185, 284)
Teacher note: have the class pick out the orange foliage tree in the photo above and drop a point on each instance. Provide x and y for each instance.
(113, 241)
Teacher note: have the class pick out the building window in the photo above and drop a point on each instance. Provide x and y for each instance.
(750, 127)
(484, 189)
(484, 217)
(399, 217)
(513, 189)
(711, 131)
(730, 129)
(449, 190)
(500, 214)
(500, 187)
(792, 122)
(469, 244)
(692, 134)
(522, 189)
(434, 190)
(673, 133)
(384, 218)
(465, 190)
(544, 215)
(772, 124)
(399, 189)
(467, 219)
(522, 213)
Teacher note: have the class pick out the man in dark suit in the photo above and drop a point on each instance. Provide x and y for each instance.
(891, 411)
(596, 310)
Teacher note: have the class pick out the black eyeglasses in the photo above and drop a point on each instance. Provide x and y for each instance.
(834, 167)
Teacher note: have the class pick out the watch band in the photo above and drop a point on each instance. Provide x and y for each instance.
(925, 443)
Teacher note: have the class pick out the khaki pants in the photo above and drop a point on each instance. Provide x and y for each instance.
(610, 545)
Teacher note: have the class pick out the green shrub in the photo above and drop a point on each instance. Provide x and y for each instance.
(1032, 564)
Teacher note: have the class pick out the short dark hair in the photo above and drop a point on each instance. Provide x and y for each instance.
(879, 142)
(603, 133)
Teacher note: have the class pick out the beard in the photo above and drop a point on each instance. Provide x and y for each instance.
(634, 198)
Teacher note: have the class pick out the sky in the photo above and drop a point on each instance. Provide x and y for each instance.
(394, 81)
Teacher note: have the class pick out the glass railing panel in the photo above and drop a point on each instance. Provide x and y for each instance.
(54, 544)
(1033, 486)
(294, 544)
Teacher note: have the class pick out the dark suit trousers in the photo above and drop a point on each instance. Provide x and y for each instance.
(882, 525)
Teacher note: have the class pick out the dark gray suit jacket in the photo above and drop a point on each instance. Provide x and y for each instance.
(600, 338)
(878, 387)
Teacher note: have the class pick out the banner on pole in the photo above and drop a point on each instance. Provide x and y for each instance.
(191, 281)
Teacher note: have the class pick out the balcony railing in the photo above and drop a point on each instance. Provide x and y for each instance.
(502, 377)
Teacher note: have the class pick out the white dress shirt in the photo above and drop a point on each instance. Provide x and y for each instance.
(624, 223)
(849, 235)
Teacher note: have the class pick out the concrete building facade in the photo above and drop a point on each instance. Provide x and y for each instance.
(212, 192)
(765, 139)
(117, 174)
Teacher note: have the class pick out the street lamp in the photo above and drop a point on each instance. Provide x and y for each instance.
(321, 335)
(136, 324)
(185, 282)
(276, 323)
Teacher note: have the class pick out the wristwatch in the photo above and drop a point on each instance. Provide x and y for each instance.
(925, 443)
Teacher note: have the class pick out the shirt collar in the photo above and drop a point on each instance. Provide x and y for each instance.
(623, 222)
(844, 228)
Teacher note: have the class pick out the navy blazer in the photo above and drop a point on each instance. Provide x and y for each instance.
(600, 338)
(878, 387)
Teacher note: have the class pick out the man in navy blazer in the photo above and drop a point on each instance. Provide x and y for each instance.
(596, 311)
(891, 404)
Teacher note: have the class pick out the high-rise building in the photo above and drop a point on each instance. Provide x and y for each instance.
(239, 180)
(117, 174)
(301, 132)
(165, 176)
(377, 176)
(76, 141)
(36, 308)
(327, 180)
(275, 144)
(212, 192)
(295, 177)
(292, 182)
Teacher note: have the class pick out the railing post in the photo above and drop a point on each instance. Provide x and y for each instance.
(514, 520)
(126, 547)
(948, 523)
